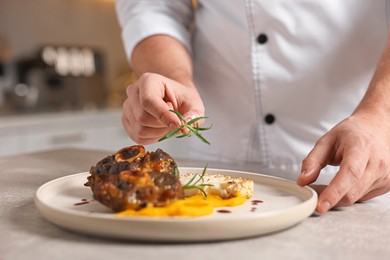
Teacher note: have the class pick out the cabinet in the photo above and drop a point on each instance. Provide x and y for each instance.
(90, 130)
(98, 130)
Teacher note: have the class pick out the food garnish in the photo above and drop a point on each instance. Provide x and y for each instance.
(221, 185)
(192, 129)
(193, 183)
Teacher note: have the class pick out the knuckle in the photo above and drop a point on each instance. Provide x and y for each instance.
(334, 194)
(337, 194)
(306, 160)
(143, 118)
(146, 100)
(354, 173)
(140, 132)
(322, 141)
(145, 76)
(309, 160)
(137, 138)
(165, 117)
(386, 178)
(350, 198)
(383, 165)
(130, 89)
(383, 180)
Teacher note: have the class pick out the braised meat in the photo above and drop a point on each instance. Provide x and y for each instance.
(133, 178)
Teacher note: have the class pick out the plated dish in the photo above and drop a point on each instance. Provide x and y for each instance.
(276, 204)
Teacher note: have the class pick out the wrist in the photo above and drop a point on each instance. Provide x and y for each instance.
(182, 77)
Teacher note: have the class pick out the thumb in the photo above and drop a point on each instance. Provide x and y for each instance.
(169, 119)
(193, 115)
(314, 162)
(190, 116)
(194, 110)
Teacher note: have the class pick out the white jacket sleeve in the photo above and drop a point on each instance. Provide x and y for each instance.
(140, 19)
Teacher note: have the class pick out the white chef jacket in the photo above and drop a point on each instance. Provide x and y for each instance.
(274, 75)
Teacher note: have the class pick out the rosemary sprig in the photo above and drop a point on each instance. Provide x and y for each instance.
(193, 183)
(192, 130)
(176, 172)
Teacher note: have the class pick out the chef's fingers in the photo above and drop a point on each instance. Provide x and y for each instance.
(380, 186)
(190, 116)
(362, 186)
(352, 168)
(186, 101)
(155, 94)
(142, 135)
(137, 131)
(374, 193)
(319, 188)
(133, 110)
(145, 119)
(317, 159)
(366, 190)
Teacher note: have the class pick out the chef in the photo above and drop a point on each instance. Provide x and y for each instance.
(295, 86)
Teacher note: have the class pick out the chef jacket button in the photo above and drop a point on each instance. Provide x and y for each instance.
(269, 119)
(262, 38)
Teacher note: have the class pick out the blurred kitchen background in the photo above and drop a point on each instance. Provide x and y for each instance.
(63, 75)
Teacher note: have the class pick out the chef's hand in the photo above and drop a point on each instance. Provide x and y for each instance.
(146, 116)
(361, 146)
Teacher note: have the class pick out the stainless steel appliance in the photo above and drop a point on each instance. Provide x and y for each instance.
(58, 78)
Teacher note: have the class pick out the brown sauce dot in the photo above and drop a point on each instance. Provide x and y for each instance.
(256, 202)
(83, 202)
(223, 211)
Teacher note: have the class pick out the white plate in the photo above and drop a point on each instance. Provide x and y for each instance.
(284, 204)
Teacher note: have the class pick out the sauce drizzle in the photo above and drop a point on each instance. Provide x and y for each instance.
(83, 202)
(223, 211)
(256, 202)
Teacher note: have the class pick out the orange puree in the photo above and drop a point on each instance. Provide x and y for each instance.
(194, 206)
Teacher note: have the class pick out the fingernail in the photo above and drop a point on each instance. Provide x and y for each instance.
(306, 172)
(189, 118)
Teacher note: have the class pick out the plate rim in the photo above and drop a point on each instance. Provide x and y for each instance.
(310, 202)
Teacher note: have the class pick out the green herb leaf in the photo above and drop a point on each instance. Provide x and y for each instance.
(194, 185)
(172, 133)
(203, 128)
(192, 130)
(176, 172)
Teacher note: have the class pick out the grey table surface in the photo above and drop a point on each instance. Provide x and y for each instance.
(361, 231)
